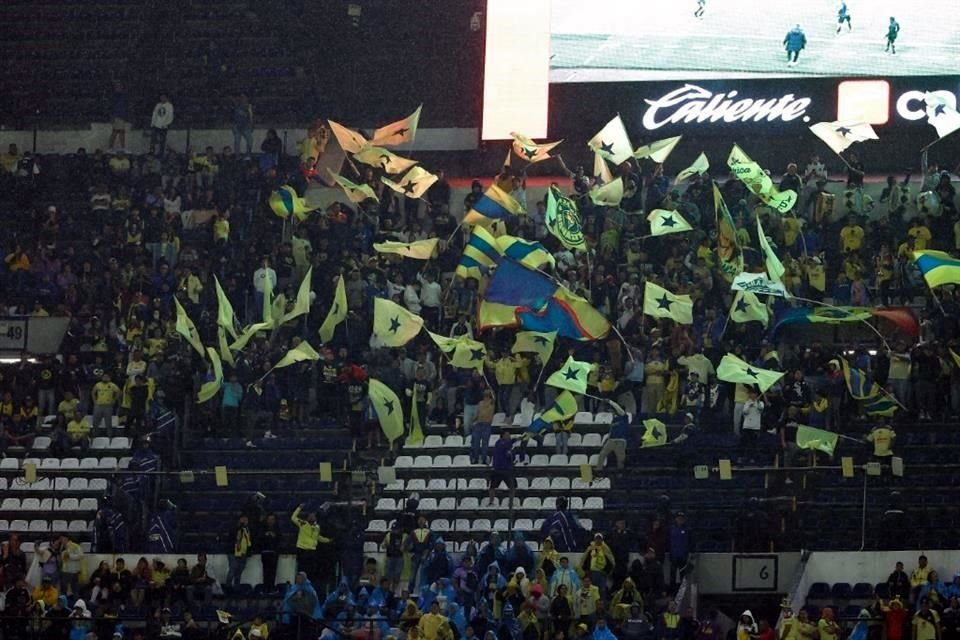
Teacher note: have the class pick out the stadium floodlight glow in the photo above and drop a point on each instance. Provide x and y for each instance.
(910, 104)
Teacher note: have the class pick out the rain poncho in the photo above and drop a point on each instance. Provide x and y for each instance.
(301, 599)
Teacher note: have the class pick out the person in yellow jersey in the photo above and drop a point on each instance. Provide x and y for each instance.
(920, 233)
(827, 625)
(882, 437)
(598, 563)
(746, 626)
(919, 576)
(668, 625)
(851, 235)
(433, 625)
(78, 432)
(926, 622)
(105, 396)
(309, 539)
(505, 371)
(221, 228)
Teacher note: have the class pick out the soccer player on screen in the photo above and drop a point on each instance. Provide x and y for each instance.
(794, 43)
(843, 15)
(893, 30)
(701, 5)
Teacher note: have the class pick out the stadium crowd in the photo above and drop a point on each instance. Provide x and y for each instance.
(110, 240)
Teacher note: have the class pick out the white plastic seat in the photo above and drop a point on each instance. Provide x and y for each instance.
(490, 505)
(403, 462)
(453, 442)
(39, 526)
(447, 504)
(442, 462)
(441, 525)
(120, 443)
(9, 464)
(86, 547)
(461, 461)
(586, 523)
(499, 420)
(416, 484)
(501, 524)
(88, 463)
(124, 462)
(531, 503)
(560, 484)
(461, 524)
(428, 504)
(492, 440)
(577, 484)
(34, 461)
(100, 442)
(523, 484)
(41, 443)
(593, 503)
(468, 504)
(601, 483)
(19, 525)
(595, 460)
(46, 504)
(603, 417)
(30, 547)
(97, 484)
(540, 460)
(550, 440)
(558, 460)
(480, 525)
(592, 440)
(423, 462)
(107, 463)
(576, 503)
(575, 440)
(532, 444)
(43, 484)
(63, 484)
(79, 484)
(79, 526)
(3, 484)
(69, 463)
(59, 525)
(583, 417)
(30, 504)
(50, 464)
(577, 459)
(523, 524)
(396, 485)
(521, 420)
(549, 504)
(377, 525)
(432, 442)
(10, 504)
(437, 484)
(540, 484)
(386, 504)
(68, 504)
(477, 484)
(5, 526)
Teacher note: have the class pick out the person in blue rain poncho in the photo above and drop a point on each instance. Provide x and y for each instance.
(438, 564)
(301, 601)
(934, 590)
(491, 583)
(862, 627)
(519, 555)
(490, 552)
(601, 631)
(509, 628)
(338, 600)
(457, 618)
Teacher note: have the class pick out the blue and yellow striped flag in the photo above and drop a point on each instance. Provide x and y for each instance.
(937, 267)
(285, 201)
(494, 204)
(480, 255)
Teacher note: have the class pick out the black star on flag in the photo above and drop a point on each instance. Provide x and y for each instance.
(530, 152)
(742, 305)
(668, 221)
(409, 188)
(750, 372)
(476, 354)
(844, 131)
(388, 405)
(395, 324)
(939, 109)
(540, 340)
(664, 303)
(606, 147)
(401, 132)
(571, 373)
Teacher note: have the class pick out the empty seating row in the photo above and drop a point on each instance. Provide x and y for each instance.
(55, 484)
(461, 461)
(530, 503)
(99, 443)
(45, 526)
(842, 591)
(49, 421)
(584, 418)
(549, 440)
(49, 504)
(65, 464)
(480, 525)
(480, 484)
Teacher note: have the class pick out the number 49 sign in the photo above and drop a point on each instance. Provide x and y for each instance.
(13, 334)
(754, 573)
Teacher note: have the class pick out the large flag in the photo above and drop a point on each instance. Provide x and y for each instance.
(760, 184)
(730, 258)
(938, 268)
(393, 325)
(301, 306)
(608, 195)
(775, 268)
(480, 254)
(657, 151)
(413, 184)
(747, 307)
(285, 201)
(387, 406)
(225, 352)
(355, 192)
(337, 313)
(875, 400)
(187, 329)
(491, 315)
(660, 303)
(569, 315)
(572, 376)
(601, 170)
(515, 285)
(249, 332)
(612, 142)
(563, 219)
(940, 115)
(469, 354)
(212, 387)
(303, 352)
(526, 252)
(444, 343)
(663, 222)
(418, 250)
(563, 408)
(902, 317)
(384, 159)
(655, 434)
(350, 141)
(733, 369)
(225, 315)
(699, 167)
(759, 283)
(536, 342)
(399, 132)
(529, 150)
(840, 135)
(416, 427)
(816, 439)
(494, 204)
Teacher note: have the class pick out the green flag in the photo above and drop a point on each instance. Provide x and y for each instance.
(747, 307)
(210, 389)
(301, 306)
(774, 267)
(300, 353)
(537, 342)
(337, 313)
(469, 354)
(562, 219)
(609, 194)
(355, 192)
(655, 434)
(225, 315)
(700, 166)
(816, 439)
(187, 329)
(733, 369)
(393, 325)
(660, 303)
(572, 376)
(663, 222)
(387, 406)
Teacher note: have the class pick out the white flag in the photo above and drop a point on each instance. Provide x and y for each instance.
(601, 170)
(657, 151)
(350, 141)
(383, 158)
(399, 132)
(699, 167)
(529, 150)
(612, 142)
(608, 195)
(774, 266)
(759, 283)
(840, 135)
(942, 116)
(413, 184)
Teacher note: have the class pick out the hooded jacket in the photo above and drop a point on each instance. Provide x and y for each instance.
(297, 593)
(745, 630)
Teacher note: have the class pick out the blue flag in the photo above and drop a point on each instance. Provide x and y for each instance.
(515, 285)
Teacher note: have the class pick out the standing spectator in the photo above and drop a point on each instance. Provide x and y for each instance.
(243, 123)
(260, 277)
(268, 542)
(480, 431)
(308, 541)
(598, 563)
(106, 395)
(926, 623)
(393, 544)
(160, 121)
(680, 546)
(563, 527)
(119, 115)
(919, 577)
(502, 471)
(619, 540)
(240, 542)
(894, 617)
(71, 559)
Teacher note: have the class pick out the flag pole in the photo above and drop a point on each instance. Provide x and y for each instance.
(623, 340)
(841, 310)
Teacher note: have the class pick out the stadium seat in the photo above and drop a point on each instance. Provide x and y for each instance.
(50, 464)
(550, 440)
(575, 440)
(30, 504)
(386, 504)
(79, 484)
(437, 484)
(583, 418)
(523, 484)
(39, 526)
(68, 504)
(560, 484)
(41, 443)
(10, 504)
(539, 460)
(480, 525)
(523, 524)
(592, 440)
(440, 524)
(9, 464)
(432, 442)
(499, 420)
(100, 442)
(396, 485)
(593, 503)
(3, 484)
(121, 443)
(863, 590)
(558, 460)
(371, 547)
(575, 503)
(578, 459)
(447, 504)
(4, 525)
(423, 462)
(603, 417)
(442, 462)
(124, 462)
(19, 525)
(469, 504)
(107, 464)
(428, 504)
(403, 462)
(69, 464)
(587, 524)
(97, 484)
(88, 463)
(62, 484)
(461, 524)
(79, 526)
(540, 484)
(882, 590)
(521, 420)
(478, 484)
(453, 442)
(416, 484)
(501, 524)
(841, 591)
(377, 526)
(531, 503)
(461, 461)
(549, 504)
(818, 591)
(59, 525)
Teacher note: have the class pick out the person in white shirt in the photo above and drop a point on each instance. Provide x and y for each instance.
(160, 121)
(411, 299)
(752, 418)
(260, 277)
(430, 299)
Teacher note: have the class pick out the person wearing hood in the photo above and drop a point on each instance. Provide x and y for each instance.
(419, 544)
(80, 621)
(509, 628)
(521, 581)
(530, 628)
(481, 621)
(382, 596)
(746, 626)
(490, 553)
(301, 605)
(58, 618)
(785, 626)
(433, 626)
(601, 631)
(564, 575)
(466, 582)
(934, 590)
(438, 564)
(827, 625)
(549, 558)
(456, 618)
(46, 593)
(598, 562)
(410, 617)
(806, 629)
(492, 583)
(338, 599)
(540, 579)
(668, 625)
(624, 599)
(519, 555)
(563, 527)
(541, 605)
(862, 628)
(953, 589)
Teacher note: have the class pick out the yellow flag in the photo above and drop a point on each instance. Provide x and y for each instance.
(387, 406)
(392, 324)
(248, 333)
(268, 299)
(225, 315)
(337, 313)
(601, 170)
(608, 195)
(350, 141)
(660, 303)
(187, 329)
(657, 151)
(418, 250)
(211, 388)
(224, 349)
(956, 358)
(278, 309)
(302, 305)
(416, 429)
(444, 343)
(300, 353)
(413, 184)
(469, 354)
(538, 342)
(384, 159)
(700, 166)
(775, 268)
(355, 192)
(399, 132)
(655, 434)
